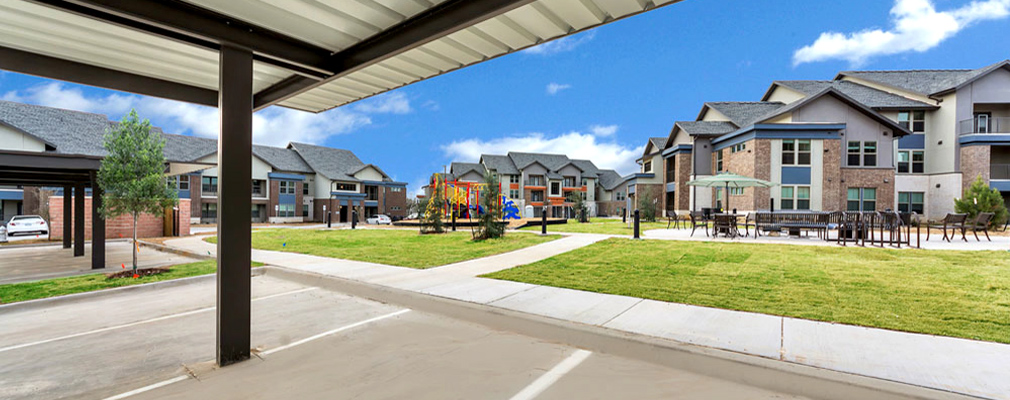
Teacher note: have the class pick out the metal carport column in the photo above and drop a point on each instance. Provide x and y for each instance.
(234, 227)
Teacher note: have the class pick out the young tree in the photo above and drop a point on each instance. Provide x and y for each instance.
(133, 173)
(489, 224)
(431, 220)
(579, 205)
(647, 206)
(981, 198)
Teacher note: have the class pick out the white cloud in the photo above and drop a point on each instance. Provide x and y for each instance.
(274, 126)
(567, 43)
(603, 130)
(606, 155)
(917, 26)
(553, 88)
(386, 103)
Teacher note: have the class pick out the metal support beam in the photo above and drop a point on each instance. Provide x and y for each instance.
(233, 223)
(79, 219)
(67, 219)
(54, 68)
(97, 226)
(440, 20)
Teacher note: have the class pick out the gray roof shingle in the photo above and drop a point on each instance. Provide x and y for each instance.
(925, 81)
(589, 169)
(610, 179)
(334, 164)
(181, 148)
(658, 143)
(282, 159)
(743, 113)
(459, 169)
(501, 164)
(706, 128)
(871, 97)
(552, 162)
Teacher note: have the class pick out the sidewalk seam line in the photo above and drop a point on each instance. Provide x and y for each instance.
(622, 312)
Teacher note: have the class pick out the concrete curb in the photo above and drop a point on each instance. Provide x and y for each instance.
(176, 250)
(59, 300)
(752, 370)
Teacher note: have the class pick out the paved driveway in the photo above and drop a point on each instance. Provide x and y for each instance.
(43, 262)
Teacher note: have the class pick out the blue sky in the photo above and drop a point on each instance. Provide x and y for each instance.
(600, 94)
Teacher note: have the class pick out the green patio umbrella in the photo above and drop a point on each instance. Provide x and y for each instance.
(728, 180)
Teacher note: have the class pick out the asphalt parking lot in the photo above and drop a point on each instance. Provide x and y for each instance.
(311, 343)
(19, 264)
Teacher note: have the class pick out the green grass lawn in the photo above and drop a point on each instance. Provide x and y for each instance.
(951, 293)
(599, 225)
(405, 248)
(15, 292)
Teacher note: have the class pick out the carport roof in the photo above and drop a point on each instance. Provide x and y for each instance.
(309, 55)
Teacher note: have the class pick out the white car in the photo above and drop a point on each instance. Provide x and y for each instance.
(380, 220)
(27, 224)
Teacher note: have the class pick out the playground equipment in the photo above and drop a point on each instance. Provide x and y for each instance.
(457, 197)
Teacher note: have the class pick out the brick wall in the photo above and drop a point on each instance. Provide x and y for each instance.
(754, 161)
(195, 195)
(274, 188)
(393, 199)
(869, 178)
(683, 177)
(652, 191)
(974, 162)
(120, 227)
(609, 208)
(832, 195)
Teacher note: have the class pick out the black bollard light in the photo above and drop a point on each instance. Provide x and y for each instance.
(636, 225)
(454, 221)
(354, 219)
(329, 219)
(543, 222)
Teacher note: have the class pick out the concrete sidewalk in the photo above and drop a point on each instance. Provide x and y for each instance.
(957, 365)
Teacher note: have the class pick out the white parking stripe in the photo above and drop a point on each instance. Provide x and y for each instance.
(146, 321)
(338, 330)
(550, 377)
(148, 388)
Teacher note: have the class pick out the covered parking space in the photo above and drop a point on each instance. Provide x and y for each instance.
(76, 174)
(246, 56)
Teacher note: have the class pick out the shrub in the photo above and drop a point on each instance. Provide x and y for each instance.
(647, 207)
(981, 198)
(489, 224)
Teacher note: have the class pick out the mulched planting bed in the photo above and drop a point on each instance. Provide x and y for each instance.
(140, 272)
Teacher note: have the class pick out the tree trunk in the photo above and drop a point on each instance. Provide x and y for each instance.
(134, 243)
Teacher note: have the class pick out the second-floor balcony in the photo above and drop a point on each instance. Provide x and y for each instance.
(999, 171)
(984, 125)
(536, 183)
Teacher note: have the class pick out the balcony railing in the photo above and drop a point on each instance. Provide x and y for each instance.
(671, 176)
(999, 171)
(979, 126)
(535, 182)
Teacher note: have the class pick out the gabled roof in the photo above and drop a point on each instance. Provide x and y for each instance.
(501, 164)
(334, 164)
(552, 162)
(372, 166)
(181, 148)
(741, 113)
(610, 179)
(459, 169)
(925, 81)
(656, 144)
(589, 169)
(871, 97)
(705, 128)
(830, 91)
(282, 159)
(69, 132)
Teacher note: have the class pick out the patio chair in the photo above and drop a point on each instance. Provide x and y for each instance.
(698, 221)
(981, 223)
(954, 222)
(672, 218)
(726, 224)
(850, 225)
(749, 222)
(890, 222)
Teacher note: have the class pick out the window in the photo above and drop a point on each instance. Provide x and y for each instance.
(184, 182)
(555, 188)
(736, 191)
(569, 181)
(396, 189)
(796, 152)
(537, 195)
(718, 161)
(514, 194)
(208, 210)
(911, 161)
(619, 196)
(795, 198)
(861, 199)
(647, 167)
(982, 122)
(536, 180)
(584, 181)
(347, 187)
(371, 192)
(910, 201)
(209, 185)
(305, 210)
(257, 187)
(914, 121)
(862, 153)
(286, 187)
(255, 212)
(285, 210)
(738, 147)
(513, 178)
(305, 188)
